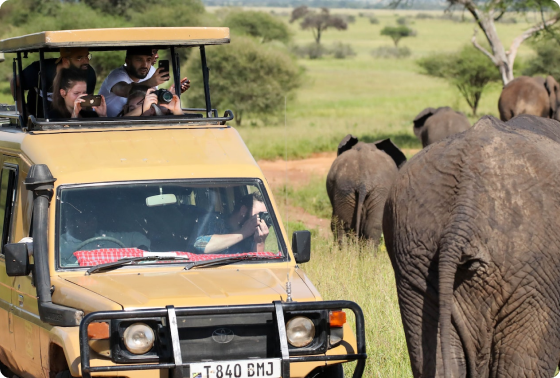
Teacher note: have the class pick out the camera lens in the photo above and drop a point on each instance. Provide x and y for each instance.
(164, 96)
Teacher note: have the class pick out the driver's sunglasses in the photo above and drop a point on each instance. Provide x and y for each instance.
(81, 58)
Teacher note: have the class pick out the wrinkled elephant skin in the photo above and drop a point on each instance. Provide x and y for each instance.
(432, 125)
(472, 227)
(530, 95)
(358, 183)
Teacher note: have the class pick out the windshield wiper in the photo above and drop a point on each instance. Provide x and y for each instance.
(228, 260)
(130, 261)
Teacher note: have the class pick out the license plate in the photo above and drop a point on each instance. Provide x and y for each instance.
(258, 368)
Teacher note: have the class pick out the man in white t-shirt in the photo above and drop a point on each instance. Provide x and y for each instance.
(138, 69)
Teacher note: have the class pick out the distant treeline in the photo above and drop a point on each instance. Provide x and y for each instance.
(349, 4)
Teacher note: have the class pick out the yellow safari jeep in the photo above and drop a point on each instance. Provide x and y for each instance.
(151, 246)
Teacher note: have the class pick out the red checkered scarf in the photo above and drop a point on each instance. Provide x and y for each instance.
(107, 255)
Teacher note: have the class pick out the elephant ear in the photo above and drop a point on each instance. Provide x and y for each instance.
(421, 119)
(387, 146)
(346, 144)
(552, 87)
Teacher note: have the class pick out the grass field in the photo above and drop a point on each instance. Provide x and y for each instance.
(370, 97)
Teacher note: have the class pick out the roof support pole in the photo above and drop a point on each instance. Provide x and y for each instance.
(176, 71)
(205, 78)
(44, 88)
(21, 99)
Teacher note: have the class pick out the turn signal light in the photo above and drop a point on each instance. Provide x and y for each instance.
(98, 331)
(337, 318)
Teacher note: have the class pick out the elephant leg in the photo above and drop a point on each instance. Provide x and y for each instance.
(337, 229)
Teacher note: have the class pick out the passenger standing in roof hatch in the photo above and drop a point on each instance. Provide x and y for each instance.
(82, 232)
(138, 69)
(70, 57)
(69, 89)
(241, 232)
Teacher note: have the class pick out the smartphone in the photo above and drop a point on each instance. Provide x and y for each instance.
(91, 100)
(164, 64)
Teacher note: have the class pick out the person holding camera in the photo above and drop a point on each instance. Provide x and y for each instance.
(243, 231)
(145, 101)
(70, 94)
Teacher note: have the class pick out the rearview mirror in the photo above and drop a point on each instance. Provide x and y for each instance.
(301, 246)
(162, 199)
(17, 259)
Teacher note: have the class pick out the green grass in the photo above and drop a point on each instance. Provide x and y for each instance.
(368, 97)
(367, 279)
(312, 197)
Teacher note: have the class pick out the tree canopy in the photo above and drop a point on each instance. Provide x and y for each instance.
(317, 22)
(248, 77)
(260, 25)
(396, 33)
(468, 70)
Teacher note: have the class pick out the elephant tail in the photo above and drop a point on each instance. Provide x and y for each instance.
(359, 207)
(447, 268)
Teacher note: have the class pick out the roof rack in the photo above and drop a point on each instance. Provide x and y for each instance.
(118, 38)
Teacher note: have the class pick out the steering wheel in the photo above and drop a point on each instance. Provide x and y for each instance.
(97, 238)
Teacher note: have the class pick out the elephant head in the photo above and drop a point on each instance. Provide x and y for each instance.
(421, 119)
(552, 88)
(385, 145)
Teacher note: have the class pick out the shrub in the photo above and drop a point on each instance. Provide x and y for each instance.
(396, 33)
(468, 70)
(388, 52)
(373, 20)
(312, 51)
(259, 25)
(248, 77)
(424, 16)
(547, 60)
(342, 50)
(402, 21)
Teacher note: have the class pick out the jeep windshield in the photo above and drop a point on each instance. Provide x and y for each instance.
(183, 221)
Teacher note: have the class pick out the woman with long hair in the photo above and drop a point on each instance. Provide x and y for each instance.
(70, 85)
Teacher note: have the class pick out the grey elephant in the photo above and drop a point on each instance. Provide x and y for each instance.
(358, 183)
(432, 125)
(530, 95)
(472, 229)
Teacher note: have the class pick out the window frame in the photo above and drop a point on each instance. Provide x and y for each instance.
(212, 181)
(8, 226)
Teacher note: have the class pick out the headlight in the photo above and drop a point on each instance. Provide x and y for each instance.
(139, 338)
(300, 331)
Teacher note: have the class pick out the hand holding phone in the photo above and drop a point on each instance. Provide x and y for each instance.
(164, 64)
(91, 101)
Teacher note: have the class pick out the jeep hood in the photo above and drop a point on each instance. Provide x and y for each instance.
(200, 287)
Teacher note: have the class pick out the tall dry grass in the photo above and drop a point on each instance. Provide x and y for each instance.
(364, 275)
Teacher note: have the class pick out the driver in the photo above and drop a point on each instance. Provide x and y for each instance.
(242, 231)
(80, 225)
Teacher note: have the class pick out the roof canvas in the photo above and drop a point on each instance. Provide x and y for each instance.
(117, 37)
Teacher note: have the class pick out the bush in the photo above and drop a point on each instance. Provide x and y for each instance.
(373, 20)
(342, 50)
(508, 20)
(388, 52)
(469, 70)
(402, 21)
(547, 60)
(259, 25)
(248, 77)
(396, 33)
(312, 51)
(424, 16)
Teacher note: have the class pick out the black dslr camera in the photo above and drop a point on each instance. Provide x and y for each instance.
(265, 216)
(163, 96)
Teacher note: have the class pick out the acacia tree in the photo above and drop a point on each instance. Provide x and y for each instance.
(396, 33)
(486, 12)
(318, 22)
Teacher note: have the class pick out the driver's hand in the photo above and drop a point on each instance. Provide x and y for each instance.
(261, 233)
(250, 226)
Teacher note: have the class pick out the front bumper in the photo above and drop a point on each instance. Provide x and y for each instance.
(278, 309)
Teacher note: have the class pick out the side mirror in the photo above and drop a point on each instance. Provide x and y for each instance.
(301, 246)
(17, 259)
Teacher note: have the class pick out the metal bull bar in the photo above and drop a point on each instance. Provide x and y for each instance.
(277, 308)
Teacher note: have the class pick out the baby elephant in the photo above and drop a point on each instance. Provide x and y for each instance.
(358, 183)
(433, 125)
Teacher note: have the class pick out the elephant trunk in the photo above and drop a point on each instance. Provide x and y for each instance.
(360, 202)
(448, 262)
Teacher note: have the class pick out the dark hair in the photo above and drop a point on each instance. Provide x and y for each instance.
(248, 200)
(65, 79)
(136, 90)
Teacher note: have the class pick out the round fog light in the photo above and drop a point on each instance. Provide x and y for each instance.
(139, 338)
(300, 331)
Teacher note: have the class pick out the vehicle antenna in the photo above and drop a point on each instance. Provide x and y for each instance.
(288, 281)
